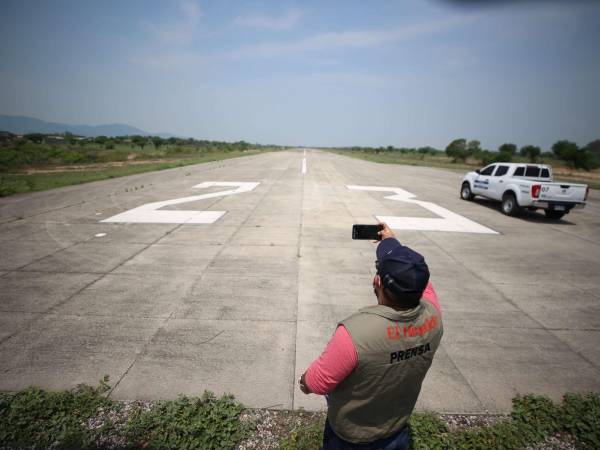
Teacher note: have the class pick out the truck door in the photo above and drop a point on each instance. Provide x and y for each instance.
(498, 182)
(481, 183)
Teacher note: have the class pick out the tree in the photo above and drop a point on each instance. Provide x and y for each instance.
(574, 156)
(594, 150)
(457, 150)
(565, 150)
(473, 147)
(531, 152)
(157, 141)
(139, 141)
(506, 152)
(427, 149)
(69, 137)
(485, 157)
(100, 139)
(36, 138)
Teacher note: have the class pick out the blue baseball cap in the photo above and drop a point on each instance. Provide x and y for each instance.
(402, 270)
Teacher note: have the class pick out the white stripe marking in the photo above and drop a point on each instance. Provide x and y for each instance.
(448, 221)
(303, 166)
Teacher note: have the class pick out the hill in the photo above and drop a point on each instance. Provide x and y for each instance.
(23, 125)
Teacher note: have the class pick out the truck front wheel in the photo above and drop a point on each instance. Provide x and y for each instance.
(465, 191)
(510, 207)
(554, 215)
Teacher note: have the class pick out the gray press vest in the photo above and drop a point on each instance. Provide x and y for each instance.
(395, 350)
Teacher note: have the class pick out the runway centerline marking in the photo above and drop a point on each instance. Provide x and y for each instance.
(448, 220)
(303, 166)
(151, 213)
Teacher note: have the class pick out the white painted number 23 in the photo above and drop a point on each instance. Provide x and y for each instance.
(151, 212)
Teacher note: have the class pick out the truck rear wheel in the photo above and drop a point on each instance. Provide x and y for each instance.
(554, 215)
(510, 207)
(465, 191)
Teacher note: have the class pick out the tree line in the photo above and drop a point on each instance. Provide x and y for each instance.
(42, 149)
(587, 157)
(134, 140)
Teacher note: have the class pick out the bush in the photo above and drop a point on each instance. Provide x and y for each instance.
(34, 418)
(427, 430)
(305, 438)
(580, 416)
(40, 419)
(188, 423)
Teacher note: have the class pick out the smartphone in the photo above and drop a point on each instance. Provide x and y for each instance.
(366, 232)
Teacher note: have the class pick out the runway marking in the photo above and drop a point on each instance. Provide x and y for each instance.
(304, 166)
(448, 221)
(151, 213)
(100, 235)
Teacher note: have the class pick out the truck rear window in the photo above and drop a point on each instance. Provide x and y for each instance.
(532, 171)
(545, 173)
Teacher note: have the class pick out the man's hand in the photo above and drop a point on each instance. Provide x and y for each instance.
(302, 383)
(386, 232)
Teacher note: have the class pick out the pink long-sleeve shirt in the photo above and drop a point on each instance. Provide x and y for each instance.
(339, 358)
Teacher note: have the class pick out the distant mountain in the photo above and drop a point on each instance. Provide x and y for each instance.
(22, 125)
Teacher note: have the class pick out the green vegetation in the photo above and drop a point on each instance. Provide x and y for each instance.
(188, 423)
(84, 418)
(533, 419)
(80, 419)
(463, 155)
(40, 419)
(305, 437)
(470, 152)
(20, 182)
(38, 162)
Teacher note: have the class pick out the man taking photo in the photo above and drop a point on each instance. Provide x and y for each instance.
(372, 368)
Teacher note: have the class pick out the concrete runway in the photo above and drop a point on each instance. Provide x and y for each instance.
(245, 303)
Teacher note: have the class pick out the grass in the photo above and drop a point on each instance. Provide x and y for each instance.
(440, 160)
(14, 183)
(410, 159)
(84, 418)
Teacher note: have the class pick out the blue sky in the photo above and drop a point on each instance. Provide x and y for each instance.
(402, 73)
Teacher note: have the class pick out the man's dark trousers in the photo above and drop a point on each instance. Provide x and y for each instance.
(398, 441)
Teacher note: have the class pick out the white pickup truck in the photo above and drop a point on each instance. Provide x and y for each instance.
(520, 186)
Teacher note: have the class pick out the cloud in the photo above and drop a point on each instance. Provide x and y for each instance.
(180, 32)
(328, 42)
(284, 22)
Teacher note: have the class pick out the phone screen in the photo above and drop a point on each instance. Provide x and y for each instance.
(366, 232)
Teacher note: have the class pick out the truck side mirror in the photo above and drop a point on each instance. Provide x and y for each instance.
(478, 171)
